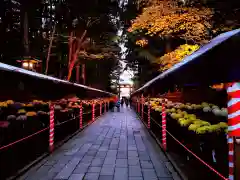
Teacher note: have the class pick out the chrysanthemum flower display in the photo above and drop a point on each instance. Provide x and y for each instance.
(177, 112)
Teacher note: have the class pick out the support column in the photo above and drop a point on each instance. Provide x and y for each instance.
(233, 90)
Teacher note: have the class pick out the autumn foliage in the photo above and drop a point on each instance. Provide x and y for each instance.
(142, 42)
(176, 56)
(167, 19)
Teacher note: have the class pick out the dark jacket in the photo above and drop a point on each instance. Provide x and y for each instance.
(118, 103)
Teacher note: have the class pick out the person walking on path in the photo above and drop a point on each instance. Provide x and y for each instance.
(122, 102)
(111, 106)
(118, 105)
(113, 103)
(130, 102)
(126, 102)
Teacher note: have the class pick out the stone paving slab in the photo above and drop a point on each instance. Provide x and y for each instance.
(115, 147)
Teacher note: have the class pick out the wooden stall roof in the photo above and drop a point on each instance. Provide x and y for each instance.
(216, 62)
(25, 75)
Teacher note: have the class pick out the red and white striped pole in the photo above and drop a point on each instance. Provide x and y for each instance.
(100, 108)
(233, 90)
(80, 116)
(164, 135)
(93, 112)
(230, 158)
(51, 128)
(149, 115)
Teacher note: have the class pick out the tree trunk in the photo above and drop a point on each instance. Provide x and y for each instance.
(75, 55)
(49, 49)
(25, 30)
(60, 71)
(83, 73)
(70, 68)
(77, 72)
(70, 45)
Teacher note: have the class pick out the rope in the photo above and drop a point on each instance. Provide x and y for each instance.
(72, 118)
(98, 109)
(192, 153)
(67, 121)
(20, 140)
(27, 137)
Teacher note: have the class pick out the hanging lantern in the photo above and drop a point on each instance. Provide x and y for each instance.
(30, 64)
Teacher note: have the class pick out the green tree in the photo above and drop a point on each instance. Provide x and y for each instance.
(27, 29)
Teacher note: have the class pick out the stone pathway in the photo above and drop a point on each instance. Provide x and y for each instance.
(115, 147)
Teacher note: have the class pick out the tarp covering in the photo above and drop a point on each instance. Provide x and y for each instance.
(217, 61)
